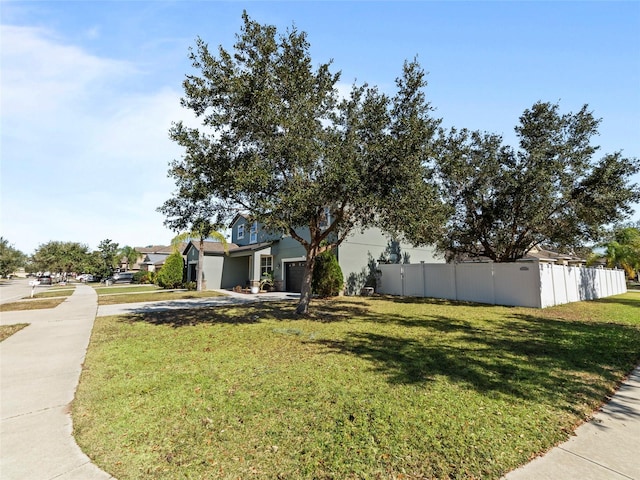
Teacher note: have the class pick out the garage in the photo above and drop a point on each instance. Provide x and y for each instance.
(294, 273)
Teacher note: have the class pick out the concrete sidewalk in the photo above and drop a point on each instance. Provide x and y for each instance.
(39, 371)
(607, 447)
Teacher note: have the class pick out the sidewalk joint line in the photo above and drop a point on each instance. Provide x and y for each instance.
(595, 463)
(35, 412)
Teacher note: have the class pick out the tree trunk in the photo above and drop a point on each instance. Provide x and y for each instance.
(200, 265)
(305, 291)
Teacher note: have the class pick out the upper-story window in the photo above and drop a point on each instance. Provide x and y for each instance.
(240, 230)
(253, 233)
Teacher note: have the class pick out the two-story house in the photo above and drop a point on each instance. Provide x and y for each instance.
(254, 251)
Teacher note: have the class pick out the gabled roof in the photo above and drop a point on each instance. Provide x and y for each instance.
(155, 258)
(154, 249)
(209, 247)
(238, 215)
(550, 256)
(217, 248)
(251, 248)
(168, 249)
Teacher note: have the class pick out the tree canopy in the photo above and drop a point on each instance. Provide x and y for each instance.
(623, 250)
(129, 254)
(278, 143)
(61, 257)
(552, 190)
(10, 258)
(107, 257)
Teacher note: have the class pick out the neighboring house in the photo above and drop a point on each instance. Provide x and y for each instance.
(541, 255)
(536, 254)
(153, 257)
(254, 251)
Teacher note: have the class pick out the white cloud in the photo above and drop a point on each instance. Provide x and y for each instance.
(84, 157)
(40, 74)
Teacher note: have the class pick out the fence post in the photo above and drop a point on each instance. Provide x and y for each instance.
(455, 281)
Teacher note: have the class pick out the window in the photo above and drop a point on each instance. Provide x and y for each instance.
(266, 264)
(241, 231)
(253, 233)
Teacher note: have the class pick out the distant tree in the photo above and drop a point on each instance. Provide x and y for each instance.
(60, 257)
(108, 254)
(171, 274)
(202, 231)
(328, 279)
(10, 258)
(191, 211)
(551, 190)
(130, 254)
(94, 264)
(278, 143)
(623, 251)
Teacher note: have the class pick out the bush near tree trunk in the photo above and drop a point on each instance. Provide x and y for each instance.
(327, 275)
(171, 273)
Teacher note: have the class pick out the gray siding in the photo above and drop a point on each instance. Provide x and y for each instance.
(285, 249)
(212, 272)
(263, 235)
(359, 253)
(235, 271)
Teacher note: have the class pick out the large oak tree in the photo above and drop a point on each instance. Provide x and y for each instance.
(552, 190)
(279, 144)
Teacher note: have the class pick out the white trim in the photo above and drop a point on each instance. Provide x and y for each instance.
(271, 263)
(291, 259)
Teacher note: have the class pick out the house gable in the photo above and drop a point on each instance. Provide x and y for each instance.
(247, 232)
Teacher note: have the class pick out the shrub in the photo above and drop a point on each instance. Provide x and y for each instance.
(141, 277)
(191, 285)
(171, 273)
(144, 277)
(327, 278)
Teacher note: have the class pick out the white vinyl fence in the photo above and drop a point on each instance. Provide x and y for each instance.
(536, 285)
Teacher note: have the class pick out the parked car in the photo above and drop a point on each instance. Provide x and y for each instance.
(86, 277)
(44, 279)
(124, 277)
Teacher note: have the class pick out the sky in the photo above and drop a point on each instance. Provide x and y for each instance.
(89, 89)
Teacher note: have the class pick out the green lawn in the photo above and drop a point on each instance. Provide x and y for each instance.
(31, 304)
(154, 295)
(7, 330)
(121, 289)
(55, 292)
(366, 388)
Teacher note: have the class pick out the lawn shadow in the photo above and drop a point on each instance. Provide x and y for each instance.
(519, 355)
(427, 300)
(179, 314)
(189, 316)
(523, 356)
